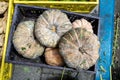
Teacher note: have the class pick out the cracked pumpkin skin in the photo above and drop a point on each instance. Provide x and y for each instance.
(50, 26)
(24, 41)
(79, 48)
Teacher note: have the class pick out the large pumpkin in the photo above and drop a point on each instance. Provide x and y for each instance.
(24, 41)
(79, 48)
(50, 26)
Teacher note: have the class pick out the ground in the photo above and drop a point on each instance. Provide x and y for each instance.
(116, 62)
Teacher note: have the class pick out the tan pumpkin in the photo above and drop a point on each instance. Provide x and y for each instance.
(79, 48)
(3, 24)
(52, 57)
(24, 41)
(3, 7)
(83, 23)
(2, 36)
(50, 26)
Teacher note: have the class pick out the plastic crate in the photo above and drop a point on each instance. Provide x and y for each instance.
(25, 11)
(75, 6)
(5, 68)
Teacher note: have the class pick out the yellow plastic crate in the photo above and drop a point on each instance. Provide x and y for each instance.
(5, 68)
(75, 6)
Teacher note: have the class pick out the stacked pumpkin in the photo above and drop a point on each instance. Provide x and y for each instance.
(3, 22)
(61, 41)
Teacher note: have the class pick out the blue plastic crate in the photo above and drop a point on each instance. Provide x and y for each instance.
(22, 11)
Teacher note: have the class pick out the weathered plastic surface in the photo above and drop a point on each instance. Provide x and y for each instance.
(74, 6)
(106, 34)
(22, 11)
(56, 75)
(36, 73)
(5, 68)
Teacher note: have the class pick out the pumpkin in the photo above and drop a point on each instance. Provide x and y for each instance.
(50, 26)
(3, 24)
(52, 57)
(83, 23)
(3, 7)
(1, 39)
(24, 41)
(79, 48)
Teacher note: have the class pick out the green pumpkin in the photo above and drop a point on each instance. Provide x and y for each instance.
(50, 26)
(24, 41)
(79, 48)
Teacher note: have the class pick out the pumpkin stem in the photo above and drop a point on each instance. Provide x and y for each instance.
(82, 50)
(53, 28)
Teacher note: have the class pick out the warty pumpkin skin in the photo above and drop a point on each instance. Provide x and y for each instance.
(79, 48)
(50, 26)
(24, 41)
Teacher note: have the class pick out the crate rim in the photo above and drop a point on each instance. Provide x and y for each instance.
(49, 67)
(57, 2)
(87, 15)
(53, 3)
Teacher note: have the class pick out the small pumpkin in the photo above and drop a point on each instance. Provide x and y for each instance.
(24, 41)
(52, 57)
(50, 26)
(79, 48)
(83, 23)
